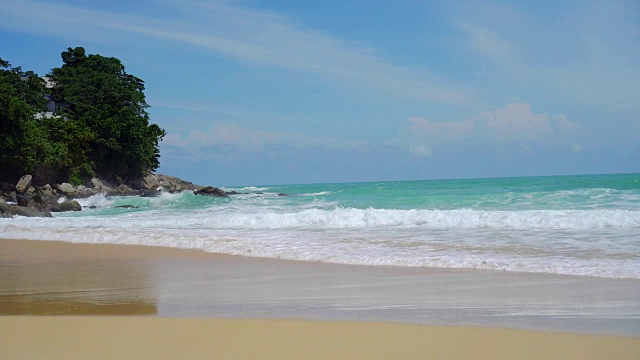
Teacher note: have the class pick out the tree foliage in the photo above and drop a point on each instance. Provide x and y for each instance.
(24, 142)
(105, 130)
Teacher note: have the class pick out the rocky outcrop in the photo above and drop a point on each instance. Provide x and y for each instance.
(211, 191)
(25, 211)
(165, 183)
(24, 199)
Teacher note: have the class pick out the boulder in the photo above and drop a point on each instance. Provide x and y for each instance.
(3, 207)
(25, 200)
(11, 196)
(67, 206)
(67, 189)
(23, 184)
(6, 187)
(168, 183)
(84, 192)
(26, 211)
(211, 191)
(47, 187)
(98, 186)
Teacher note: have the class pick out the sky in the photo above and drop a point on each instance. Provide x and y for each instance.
(257, 92)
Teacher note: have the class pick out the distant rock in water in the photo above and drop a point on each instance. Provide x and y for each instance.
(128, 207)
(67, 206)
(211, 191)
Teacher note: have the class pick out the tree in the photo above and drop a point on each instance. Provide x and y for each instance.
(25, 146)
(109, 104)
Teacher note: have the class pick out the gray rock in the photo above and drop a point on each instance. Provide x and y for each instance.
(25, 200)
(168, 183)
(26, 211)
(23, 184)
(98, 186)
(3, 207)
(6, 187)
(84, 192)
(47, 187)
(67, 189)
(67, 206)
(11, 196)
(211, 191)
(47, 192)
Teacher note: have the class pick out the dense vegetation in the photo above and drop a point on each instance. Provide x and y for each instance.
(103, 130)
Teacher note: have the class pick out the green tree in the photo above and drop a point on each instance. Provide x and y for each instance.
(109, 105)
(25, 146)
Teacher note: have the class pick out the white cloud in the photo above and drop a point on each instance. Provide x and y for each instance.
(420, 150)
(226, 134)
(587, 56)
(230, 30)
(576, 148)
(512, 122)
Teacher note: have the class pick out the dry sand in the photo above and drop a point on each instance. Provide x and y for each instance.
(24, 337)
(50, 278)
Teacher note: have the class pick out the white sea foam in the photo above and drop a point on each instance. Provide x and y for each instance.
(321, 193)
(594, 232)
(586, 242)
(247, 188)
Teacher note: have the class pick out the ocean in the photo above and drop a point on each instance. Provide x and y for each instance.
(586, 225)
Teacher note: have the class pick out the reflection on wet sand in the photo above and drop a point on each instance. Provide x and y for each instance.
(33, 283)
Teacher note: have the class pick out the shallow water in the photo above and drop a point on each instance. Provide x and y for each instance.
(575, 225)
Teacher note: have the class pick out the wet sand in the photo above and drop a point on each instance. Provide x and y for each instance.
(358, 311)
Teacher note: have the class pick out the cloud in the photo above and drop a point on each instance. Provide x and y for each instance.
(420, 150)
(230, 30)
(513, 122)
(226, 134)
(586, 56)
(576, 148)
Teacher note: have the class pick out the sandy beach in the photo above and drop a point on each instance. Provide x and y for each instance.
(191, 304)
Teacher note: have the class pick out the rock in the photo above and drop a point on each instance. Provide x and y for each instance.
(84, 192)
(6, 187)
(47, 187)
(67, 189)
(98, 186)
(121, 190)
(26, 211)
(47, 192)
(3, 207)
(25, 200)
(138, 185)
(23, 184)
(11, 196)
(211, 191)
(168, 183)
(67, 206)
(128, 207)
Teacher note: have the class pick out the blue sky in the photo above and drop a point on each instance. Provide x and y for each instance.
(266, 92)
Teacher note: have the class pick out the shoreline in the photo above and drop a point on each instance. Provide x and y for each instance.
(58, 278)
(100, 301)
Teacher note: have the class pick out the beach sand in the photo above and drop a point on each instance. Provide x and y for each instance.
(193, 305)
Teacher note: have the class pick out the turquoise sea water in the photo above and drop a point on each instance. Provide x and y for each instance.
(576, 225)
